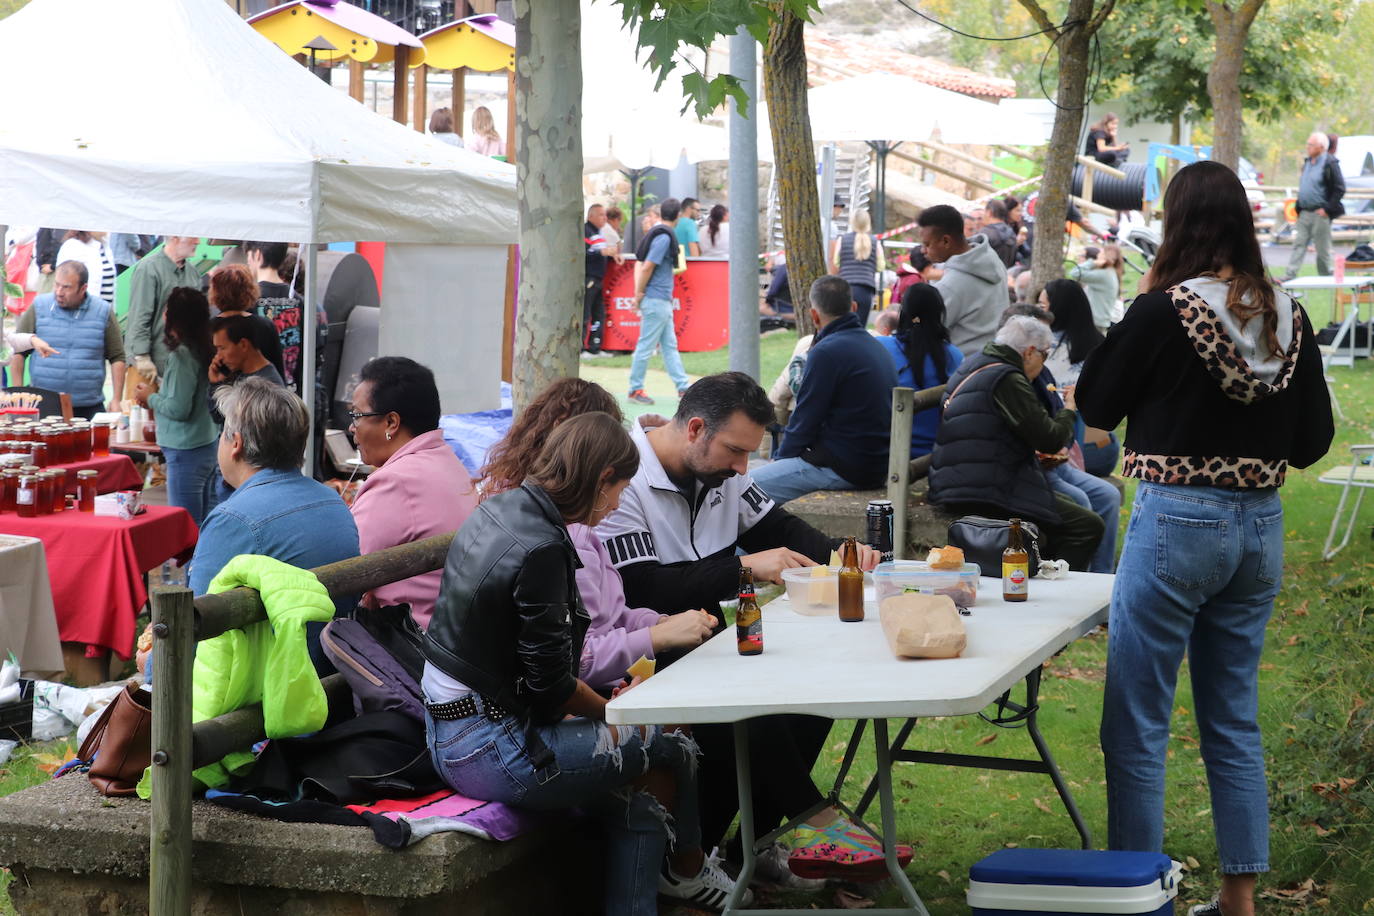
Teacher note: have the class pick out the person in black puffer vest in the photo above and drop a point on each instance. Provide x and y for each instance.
(985, 460)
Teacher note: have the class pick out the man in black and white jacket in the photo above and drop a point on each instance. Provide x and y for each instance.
(693, 503)
(674, 539)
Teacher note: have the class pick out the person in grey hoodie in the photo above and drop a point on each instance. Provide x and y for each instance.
(975, 282)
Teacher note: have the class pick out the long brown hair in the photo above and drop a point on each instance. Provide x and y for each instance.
(1208, 227)
(510, 460)
(577, 453)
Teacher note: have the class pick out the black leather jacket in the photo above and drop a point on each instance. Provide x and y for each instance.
(509, 621)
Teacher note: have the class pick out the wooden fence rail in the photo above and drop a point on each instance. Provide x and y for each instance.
(180, 621)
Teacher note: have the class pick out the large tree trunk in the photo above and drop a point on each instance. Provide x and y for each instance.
(1052, 209)
(548, 100)
(794, 157)
(1223, 77)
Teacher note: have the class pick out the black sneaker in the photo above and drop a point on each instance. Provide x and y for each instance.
(709, 889)
(1206, 909)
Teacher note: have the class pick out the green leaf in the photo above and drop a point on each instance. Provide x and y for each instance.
(13, 290)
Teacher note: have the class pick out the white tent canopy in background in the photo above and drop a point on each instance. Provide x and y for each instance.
(880, 106)
(175, 117)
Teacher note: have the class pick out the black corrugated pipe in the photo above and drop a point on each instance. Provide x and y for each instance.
(1112, 192)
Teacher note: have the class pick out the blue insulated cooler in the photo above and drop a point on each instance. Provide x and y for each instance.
(1060, 882)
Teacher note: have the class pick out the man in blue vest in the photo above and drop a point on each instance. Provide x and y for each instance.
(73, 334)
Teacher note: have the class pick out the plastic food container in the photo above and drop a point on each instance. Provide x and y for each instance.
(916, 576)
(814, 591)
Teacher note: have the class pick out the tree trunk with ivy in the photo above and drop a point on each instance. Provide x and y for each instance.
(1074, 43)
(1232, 23)
(548, 103)
(794, 157)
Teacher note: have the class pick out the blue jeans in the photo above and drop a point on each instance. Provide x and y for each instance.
(592, 771)
(1098, 495)
(656, 330)
(1199, 572)
(192, 475)
(787, 478)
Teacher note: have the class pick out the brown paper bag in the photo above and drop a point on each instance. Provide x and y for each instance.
(922, 626)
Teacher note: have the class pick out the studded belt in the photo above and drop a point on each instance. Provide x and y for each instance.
(466, 707)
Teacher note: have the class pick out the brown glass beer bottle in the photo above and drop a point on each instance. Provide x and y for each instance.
(1015, 565)
(851, 585)
(748, 619)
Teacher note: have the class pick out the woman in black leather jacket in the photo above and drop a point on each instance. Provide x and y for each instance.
(507, 718)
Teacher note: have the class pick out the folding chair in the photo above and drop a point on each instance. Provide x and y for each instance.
(1355, 476)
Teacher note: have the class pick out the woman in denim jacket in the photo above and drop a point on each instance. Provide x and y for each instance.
(1219, 377)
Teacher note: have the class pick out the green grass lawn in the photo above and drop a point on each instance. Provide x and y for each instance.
(1317, 711)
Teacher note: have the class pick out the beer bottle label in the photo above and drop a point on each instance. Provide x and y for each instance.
(1014, 578)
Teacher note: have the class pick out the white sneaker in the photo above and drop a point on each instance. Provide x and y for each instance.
(710, 888)
(771, 866)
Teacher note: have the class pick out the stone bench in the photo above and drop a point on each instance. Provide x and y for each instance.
(75, 851)
(840, 513)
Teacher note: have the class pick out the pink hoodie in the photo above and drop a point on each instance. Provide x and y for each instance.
(618, 635)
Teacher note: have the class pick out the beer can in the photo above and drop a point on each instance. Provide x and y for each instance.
(879, 516)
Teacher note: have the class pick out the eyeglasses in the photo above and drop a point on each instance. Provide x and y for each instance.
(355, 415)
(1043, 351)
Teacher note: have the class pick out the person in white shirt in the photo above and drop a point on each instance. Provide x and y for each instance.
(93, 250)
(715, 241)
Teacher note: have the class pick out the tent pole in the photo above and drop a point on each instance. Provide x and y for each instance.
(310, 326)
(356, 81)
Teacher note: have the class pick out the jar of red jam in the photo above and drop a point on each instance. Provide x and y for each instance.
(26, 497)
(85, 490)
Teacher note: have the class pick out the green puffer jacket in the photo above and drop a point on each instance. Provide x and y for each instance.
(267, 662)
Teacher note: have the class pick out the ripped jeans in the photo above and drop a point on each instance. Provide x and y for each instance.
(487, 760)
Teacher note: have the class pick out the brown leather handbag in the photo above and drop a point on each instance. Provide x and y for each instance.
(121, 742)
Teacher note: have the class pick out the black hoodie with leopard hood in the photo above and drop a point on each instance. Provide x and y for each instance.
(1208, 404)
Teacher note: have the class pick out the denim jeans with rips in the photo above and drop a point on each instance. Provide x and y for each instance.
(593, 770)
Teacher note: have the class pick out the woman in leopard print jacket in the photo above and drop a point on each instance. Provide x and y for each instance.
(1218, 376)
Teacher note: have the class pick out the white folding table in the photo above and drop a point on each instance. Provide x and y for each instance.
(1346, 335)
(820, 666)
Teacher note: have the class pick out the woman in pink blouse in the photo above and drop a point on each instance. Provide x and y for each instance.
(419, 488)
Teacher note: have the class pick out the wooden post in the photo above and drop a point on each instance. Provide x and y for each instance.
(419, 103)
(460, 99)
(510, 116)
(899, 465)
(169, 856)
(356, 79)
(398, 92)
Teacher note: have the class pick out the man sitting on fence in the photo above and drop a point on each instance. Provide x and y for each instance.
(985, 460)
(838, 434)
(275, 510)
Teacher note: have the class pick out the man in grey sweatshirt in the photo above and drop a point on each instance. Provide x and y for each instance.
(974, 286)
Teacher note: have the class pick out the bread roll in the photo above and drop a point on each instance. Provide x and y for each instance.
(945, 558)
(922, 626)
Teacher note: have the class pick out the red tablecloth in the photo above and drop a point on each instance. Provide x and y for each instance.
(96, 566)
(117, 472)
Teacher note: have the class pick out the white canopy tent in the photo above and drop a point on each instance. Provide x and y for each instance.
(175, 117)
(880, 106)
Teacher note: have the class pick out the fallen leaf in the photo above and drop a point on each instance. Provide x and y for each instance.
(944, 874)
(1293, 640)
(1042, 806)
(1194, 864)
(1011, 845)
(1301, 610)
(986, 739)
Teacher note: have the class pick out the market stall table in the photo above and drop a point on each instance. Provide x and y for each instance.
(117, 472)
(96, 566)
(861, 679)
(1345, 337)
(28, 625)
